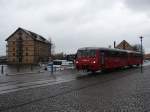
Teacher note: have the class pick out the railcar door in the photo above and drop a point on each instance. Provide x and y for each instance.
(102, 59)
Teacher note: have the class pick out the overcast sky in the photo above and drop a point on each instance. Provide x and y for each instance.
(78, 23)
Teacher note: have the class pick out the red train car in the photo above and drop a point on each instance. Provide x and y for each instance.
(94, 59)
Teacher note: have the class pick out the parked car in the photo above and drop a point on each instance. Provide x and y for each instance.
(59, 65)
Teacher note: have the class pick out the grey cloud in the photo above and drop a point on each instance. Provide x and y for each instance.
(73, 23)
(138, 5)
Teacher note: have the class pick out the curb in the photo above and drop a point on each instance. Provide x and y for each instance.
(26, 73)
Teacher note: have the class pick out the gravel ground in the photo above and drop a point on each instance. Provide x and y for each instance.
(119, 91)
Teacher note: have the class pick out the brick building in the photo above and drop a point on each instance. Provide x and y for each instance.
(26, 47)
(147, 56)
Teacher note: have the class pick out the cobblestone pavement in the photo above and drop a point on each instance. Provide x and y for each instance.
(119, 91)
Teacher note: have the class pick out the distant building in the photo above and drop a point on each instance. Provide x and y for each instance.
(124, 45)
(147, 56)
(70, 57)
(26, 47)
(3, 59)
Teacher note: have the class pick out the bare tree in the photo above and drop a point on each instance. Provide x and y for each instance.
(51, 46)
(137, 47)
(59, 56)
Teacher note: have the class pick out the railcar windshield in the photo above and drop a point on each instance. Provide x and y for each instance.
(86, 53)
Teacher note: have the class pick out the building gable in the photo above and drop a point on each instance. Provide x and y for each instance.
(33, 35)
(19, 33)
(124, 45)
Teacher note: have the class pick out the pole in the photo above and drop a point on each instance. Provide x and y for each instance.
(114, 44)
(31, 67)
(52, 69)
(2, 69)
(141, 55)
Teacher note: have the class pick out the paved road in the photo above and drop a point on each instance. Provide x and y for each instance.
(119, 91)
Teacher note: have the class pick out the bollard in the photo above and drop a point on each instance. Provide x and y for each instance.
(31, 67)
(18, 68)
(52, 68)
(2, 69)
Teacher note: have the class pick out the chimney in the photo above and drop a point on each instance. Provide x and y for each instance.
(114, 44)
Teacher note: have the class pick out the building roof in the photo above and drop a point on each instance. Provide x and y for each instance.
(107, 49)
(31, 34)
(124, 45)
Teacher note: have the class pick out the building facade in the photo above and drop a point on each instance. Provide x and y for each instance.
(147, 56)
(26, 47)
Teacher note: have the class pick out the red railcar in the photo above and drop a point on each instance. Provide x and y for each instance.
(94, 59)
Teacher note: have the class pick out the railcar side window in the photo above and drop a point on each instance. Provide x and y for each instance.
(115, 54)
(138, 55)
(123, 54)
(112, 53)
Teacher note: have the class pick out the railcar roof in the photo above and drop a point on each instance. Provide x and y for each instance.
(107, 49)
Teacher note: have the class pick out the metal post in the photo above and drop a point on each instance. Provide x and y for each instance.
(18, 67)
(114, 44)
(141, 54)
(52, 68)
(31, 67)
(2, 69)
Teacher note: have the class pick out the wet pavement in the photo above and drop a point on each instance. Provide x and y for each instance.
(25, 81)
(124, 90)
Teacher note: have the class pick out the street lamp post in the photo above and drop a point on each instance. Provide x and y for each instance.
(141, 54)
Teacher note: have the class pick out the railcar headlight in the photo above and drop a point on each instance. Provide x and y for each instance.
(77, 62)
(94, 61)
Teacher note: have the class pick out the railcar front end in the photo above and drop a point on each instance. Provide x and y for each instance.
(87, 60)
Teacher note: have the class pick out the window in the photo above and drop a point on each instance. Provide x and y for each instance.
(123, 54)
(26, 49)
(13, 60)
(13, 49)
(20, 33)
(26, 54)
(137, 55)
(13, 42)
(13, 54)
(57, 62)
(112, 53)
(20, 59)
